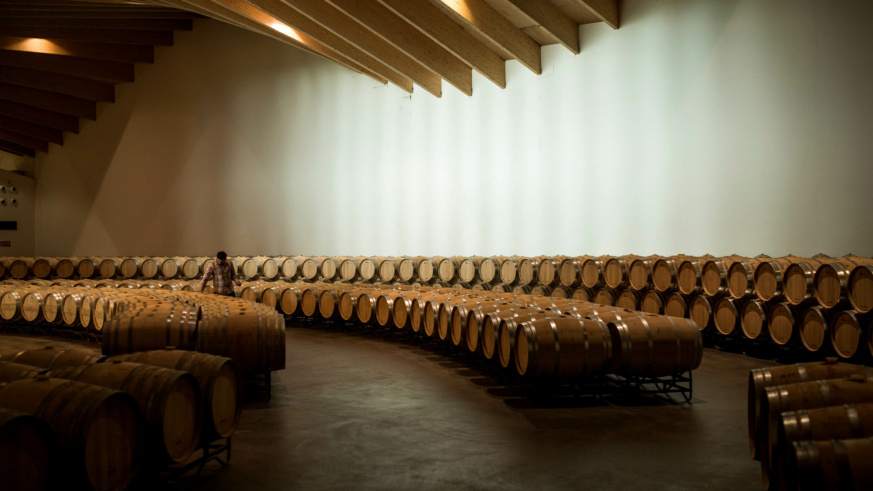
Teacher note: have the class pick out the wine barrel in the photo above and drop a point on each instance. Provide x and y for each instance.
(582, 294)
(489, 270)
(388, 269)
(460, 313)
(570, 271)
(548, 272)
(815, 330)
(172, 324)
(328, 301)
(385, 306)
(676, 305)
(701, 312)
(783, 324)
(847, 334)
(130, 267)
(290, 268)
(834, 464)
(289, 299)
(330, 268)
(10, 371)
(43, 267)
(509, 270)
(714, 274)
(427, 268)
(831, 279)
(10, 304)
(561, 292)
(592, 271)
(29, 450)
(476, 317)
(150, 267)
(251, 335)
(769, 276)
(507, 329)
(653, 303)
(105, 422)
(641, 273)
(528, 270)
(741, 277)
(490, 331)
(50, 358)
(860, 288)
(823, 424)
(218, 379)
(347, 305)
(365, 308)
(310, 269)
(20, 268)
(193, 267)
(562, 348)
(727, 316)
(407, 269)
(655, 345)
(250, 268)
(309, 298)
(109, 267)
(628, 299)
(615, 271)
(762, 378)
(754, 319)
(66, 267)
(689, 277)
(169, 400)
(604, 296)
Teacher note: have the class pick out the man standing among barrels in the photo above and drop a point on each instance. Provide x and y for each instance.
(223, 276)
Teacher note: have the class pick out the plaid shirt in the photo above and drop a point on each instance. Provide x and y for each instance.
(223, 277)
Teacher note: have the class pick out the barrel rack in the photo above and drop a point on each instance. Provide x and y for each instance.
(175, 476)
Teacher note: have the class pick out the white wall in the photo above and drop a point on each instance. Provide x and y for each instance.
(717, 126)
(17, 204)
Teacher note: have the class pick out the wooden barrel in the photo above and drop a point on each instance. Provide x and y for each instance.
(44, 267)
(490, 332)
(52, 307)
(507, 329)
(347, 304)
(66, 267)
(548, 273)
(401, 313)
(834, 464)
(29, 450)
(509, 270)
(666, 272)
(311, 267)
(289, 299)
(676, 305)
(805, 395)
(251, 335)
(628, 299)
(385, 307)
(831, 280)
(388, 269)
(369, 268)
(754, 319)
(616, 269)
(151, 267)
(783, 324)
(701, 312)
(489, 270)
(847, 334)
(218, 379)
(309, 298)
(689, 277)
(172, 324)
(87, 267)
(193, 267)
(330, 268)
(10, 304)
(562, 348)
(427, 268)
(475, 319)
(50, 358)
(653, 303)
(448, 269)
(582, 294)
(815, 330)
(848, 421)
(105, 422)
(592, 271)
(468, 271)
(20, 268)
(714, 274)
(641, 273)
(570, 271)
(561, 292)
(365, 308)
(250, 267)
(860, 288)
(541, 291)
(328, 300)
(769, 276)
(501, 288)
(130, 267)
(604, 296)
(741, 277)
(407, 268)
(521, 290)
(289, 268)
(762, 378)
(11, 371)
(169, 400)
(109, 267)
(528, 270)
(727, 316)
(655, 345)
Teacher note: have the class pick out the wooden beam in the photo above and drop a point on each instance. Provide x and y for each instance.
(31, 130)
(49, 101)
(408, 39)
(490, 23)
(38, 116)
(552, 19)
(221, 13)
(345, 27)
(16, 149)
(111, 71)
(284, 13)
(61, 84)
(434, 23)
(605, 10)
(98, 13)
(99, 51)
(147, 24)
(24, 141)
(123, 36)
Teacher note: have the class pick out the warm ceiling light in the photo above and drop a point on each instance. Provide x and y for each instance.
(39, 45)
(286, 30)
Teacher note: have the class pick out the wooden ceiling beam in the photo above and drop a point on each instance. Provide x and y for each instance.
(24, 141)
(345, 27)
(442, 29)
(284, 13)
(97, 13)
(490, 23)
(31, 130)
(221, 13)
(42, 117)
(134, 24)
(50, 101)
(120, 36)
(99, 51)
(553, 20)
(16, 149)
(410, 40)
(110, 71)
(61, 84)
(605, 10)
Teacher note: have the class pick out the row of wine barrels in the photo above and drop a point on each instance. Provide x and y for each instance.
(791, 407)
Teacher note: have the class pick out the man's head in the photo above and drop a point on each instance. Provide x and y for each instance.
(221, 256)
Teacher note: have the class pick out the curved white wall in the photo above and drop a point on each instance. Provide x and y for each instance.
(699, 127)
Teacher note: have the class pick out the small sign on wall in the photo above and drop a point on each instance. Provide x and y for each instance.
(5, 243)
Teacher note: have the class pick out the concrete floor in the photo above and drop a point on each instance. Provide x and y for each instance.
(368, 411)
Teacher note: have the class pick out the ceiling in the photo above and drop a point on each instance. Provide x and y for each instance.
(58, 58)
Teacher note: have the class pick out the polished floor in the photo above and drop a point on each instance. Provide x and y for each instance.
(373, 410)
